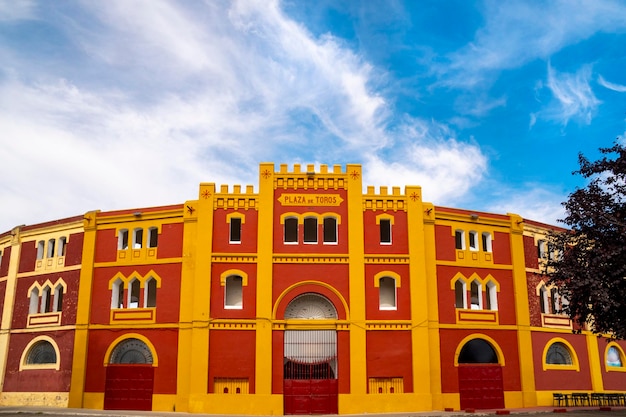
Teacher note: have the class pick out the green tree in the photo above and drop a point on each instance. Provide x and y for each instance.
(591, 268)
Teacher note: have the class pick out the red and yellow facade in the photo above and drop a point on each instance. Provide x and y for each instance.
(249, 302)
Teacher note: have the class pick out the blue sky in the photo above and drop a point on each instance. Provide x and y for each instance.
(126, 103)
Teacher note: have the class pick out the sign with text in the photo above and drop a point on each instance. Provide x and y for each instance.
(297, 199)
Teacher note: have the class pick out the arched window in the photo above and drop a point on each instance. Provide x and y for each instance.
(122, 239)
(460, 294)
(492, 296)
(478, 351)
(34, 301)
(233, 292)
(150, 292)
(58, 298)
(131, 351)
(133, 293)
(291, 230)
(62, 246)
(51, 244)
(46, 300)
(387, 293)
(558, 354)
(613, 357)
(310, 230)
(138, 238)
(40, 249)
(153, 237)
(41, 352)
(117, 294)
(543, 299)
(476, 295)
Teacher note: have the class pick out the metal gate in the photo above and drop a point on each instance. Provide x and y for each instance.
(480, 386)
(129, 387)
(310, 372)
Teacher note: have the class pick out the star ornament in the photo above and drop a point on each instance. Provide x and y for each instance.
(414, 196)
(355, 175)
(266, 174)
(206, 194)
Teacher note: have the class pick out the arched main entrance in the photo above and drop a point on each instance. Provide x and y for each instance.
(310, 359)
(480, 376)
(129, 377)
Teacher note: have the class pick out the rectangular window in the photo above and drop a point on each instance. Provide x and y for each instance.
(385, 231)
(486, 238)
(387, 293)
(330, 230)
(473, 240)
(459, 239)
(233, 292)
(40, 249)
(235, 230)
(62, 245)
(542, 249)
(310, 230)
(291, 230)
(153, 237)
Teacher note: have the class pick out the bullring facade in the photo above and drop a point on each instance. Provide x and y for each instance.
(307, 296)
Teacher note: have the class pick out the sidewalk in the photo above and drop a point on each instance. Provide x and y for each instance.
(570, 411)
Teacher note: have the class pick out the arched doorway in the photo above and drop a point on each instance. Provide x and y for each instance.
(129, 377)
(480, 376)
(310, 359)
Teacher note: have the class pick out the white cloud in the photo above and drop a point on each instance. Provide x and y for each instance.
(532, 201)
(172, 94)
(611, 86)
(11, 10)
(518, 32)
(573, 94)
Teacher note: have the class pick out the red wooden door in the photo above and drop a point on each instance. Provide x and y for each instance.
(480, 386)
(310, 396)
(129, 387)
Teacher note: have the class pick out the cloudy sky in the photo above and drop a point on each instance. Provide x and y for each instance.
(129, 103)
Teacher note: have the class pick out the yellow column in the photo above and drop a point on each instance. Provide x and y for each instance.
(356, 257)
(263, 352)
(9, 303)
(595, 362)
(524, 340)
(424, 313)
(193, 339)
(83, 313)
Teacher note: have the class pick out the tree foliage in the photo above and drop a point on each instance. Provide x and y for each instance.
(591, 269)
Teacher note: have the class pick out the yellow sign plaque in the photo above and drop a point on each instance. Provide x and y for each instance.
(301, 199)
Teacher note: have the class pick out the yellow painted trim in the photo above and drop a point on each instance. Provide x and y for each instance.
(546, 366)
(231, 272)
(486, 338)
(289, 215)
(25, 366)
(390, 274)
(319, 283)
(237, 215)
(107, 355)
(622, 358)
(474, 277)
(385, 216)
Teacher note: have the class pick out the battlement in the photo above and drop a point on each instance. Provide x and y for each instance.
(384, 191)
(310, 169)
(236, 189)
